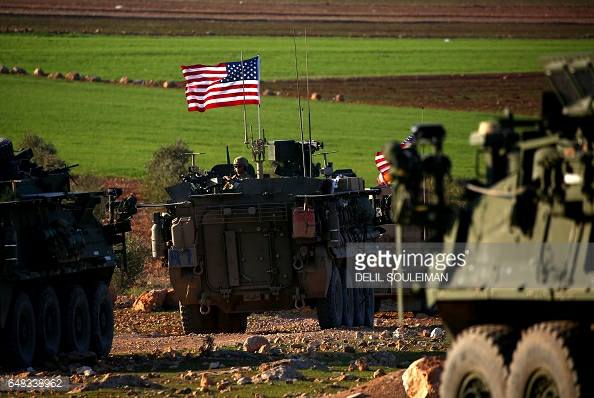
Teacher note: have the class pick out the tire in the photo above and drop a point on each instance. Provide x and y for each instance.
(358, 307)
(101, 312)
(48, 322)
(347, 302)
(476, 364)
(76, 321)
(369, 312)
(330, 308)
(231, 323)
(547, 358)
(20, 332)
(194, 322)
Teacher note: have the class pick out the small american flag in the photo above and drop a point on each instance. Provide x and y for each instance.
(225, 84)
(382, 163)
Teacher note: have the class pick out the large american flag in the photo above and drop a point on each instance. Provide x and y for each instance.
(225, 84)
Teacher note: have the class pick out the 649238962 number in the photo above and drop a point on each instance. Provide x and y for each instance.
(17, 383)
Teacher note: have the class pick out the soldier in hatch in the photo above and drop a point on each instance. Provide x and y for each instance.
(241, 171)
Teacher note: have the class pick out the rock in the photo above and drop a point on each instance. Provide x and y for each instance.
(18, 71)
(124, 80)
(425, 333)
(138, 82)
(361, 364)
(385, 335)
(39, 72)
(265, 349)
(85, 371)
(214, 365)
(315, 97)
(437, 333)
(169, 84)
(244, 380)
(269, 92)
(55, 76)
(358, 335)
(278, 373)
(4, 70)
(421, 378)
(205, 381)
(184, 391)
(92, 79)
(253, 343)
(339, 98)
(379, 373)
(72, 76)
(150, 301)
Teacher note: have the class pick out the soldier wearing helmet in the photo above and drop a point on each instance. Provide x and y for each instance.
(241, 171)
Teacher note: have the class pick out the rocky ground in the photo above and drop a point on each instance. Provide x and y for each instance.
(282, 354)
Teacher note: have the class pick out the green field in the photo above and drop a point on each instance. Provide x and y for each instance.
(142, 57)
(113, 130)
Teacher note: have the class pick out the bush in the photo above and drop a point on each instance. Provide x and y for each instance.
(137, 253)
(44, 153)
(168, 163)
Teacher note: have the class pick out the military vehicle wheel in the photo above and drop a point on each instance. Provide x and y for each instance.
(476, 364)
(347, 301)
(544, 363)
(20, 332)
(232, 323)
(101, 320)
(330, 308)
(359, 307)
(77, 321)
(194, 322)
(369, 308)
(48, 323)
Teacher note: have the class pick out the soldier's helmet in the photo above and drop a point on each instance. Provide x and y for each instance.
(240, 160)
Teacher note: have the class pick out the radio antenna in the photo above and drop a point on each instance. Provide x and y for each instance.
(308, 108)
(299, 104)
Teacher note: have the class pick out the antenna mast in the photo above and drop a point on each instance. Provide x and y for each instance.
(308, 98)
(299, 105)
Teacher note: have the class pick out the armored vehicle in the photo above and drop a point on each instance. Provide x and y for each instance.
(56, 262)
(522, 309)
(271, 243)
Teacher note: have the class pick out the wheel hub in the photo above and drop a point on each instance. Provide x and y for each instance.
(473, 386)
(541, 385)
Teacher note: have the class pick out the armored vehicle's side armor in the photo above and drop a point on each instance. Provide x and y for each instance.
(538, 191)
(269, 244)
(56, 262)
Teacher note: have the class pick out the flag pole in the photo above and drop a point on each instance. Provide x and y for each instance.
(245, 135)
(260, 132)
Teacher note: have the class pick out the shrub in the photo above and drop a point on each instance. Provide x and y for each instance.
(167, 164)
(137, 252)
(44, 153)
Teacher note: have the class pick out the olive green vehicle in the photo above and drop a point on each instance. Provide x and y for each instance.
(276, 242)
(56, 262)
(532, 336)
